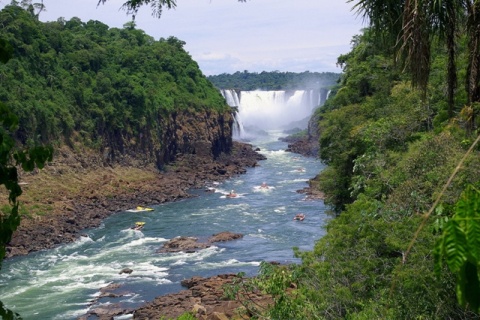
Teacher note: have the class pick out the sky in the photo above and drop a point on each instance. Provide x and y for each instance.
(225, 36)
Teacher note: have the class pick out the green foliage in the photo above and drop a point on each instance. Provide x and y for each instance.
(187, 316)
(84, 82)
(274, 80)
(7, 314)
(389, 151)
(11, 157)
(277, 282)
(459, 248)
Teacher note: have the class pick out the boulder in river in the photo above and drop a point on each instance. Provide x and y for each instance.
(191, 244)
(225, 236)
(185, 244)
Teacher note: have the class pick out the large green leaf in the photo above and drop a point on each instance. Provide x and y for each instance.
(468, 286)
(469, 207)
(454, 245)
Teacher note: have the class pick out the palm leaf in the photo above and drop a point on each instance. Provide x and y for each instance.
(469, 209)
(454, 245)
(468, 287)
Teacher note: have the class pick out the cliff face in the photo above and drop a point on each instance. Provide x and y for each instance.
(307, 145)
(205, 133)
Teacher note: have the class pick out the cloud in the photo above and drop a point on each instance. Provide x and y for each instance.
(228, 36)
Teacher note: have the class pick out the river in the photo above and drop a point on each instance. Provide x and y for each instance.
(61, 283)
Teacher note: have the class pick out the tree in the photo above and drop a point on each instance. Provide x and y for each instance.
(11, 157)
(411, 26)
(132, 6)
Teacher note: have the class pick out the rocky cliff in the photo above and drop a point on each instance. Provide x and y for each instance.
(81, 186)
(206, 133)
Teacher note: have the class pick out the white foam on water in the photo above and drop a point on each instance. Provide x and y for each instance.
(124, 317)
(203, 254)
(292, 181)
(264, 236)
(279, 153)
(236, 206)
(71, 314)
(57, 275)
(239, 195)
(206, 212)
(263, 189)
(146, 270)
(179, 263)
(79, 242)
(72, 275)
(252, 214)
(226, 263)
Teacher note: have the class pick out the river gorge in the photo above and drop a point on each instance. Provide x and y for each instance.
(65, 282)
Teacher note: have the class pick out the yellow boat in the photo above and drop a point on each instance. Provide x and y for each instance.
(140, 209)
(138, 225)
(144, 209)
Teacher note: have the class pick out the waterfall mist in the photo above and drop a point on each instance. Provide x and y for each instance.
(272, 110)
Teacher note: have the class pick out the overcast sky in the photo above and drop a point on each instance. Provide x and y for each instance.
(225, 36)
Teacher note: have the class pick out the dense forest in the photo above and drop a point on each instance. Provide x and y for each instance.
(103, 92)
(398, 134)
(276, 80)
(83, 81)
(399, 138)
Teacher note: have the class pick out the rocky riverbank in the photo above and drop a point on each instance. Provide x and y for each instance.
(70, 194)
(206, 298)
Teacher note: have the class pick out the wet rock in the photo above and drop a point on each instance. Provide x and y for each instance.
(204, 297)
(125, 270)
(225, 236)
(191, 244)
(184, 244)
(76, 213)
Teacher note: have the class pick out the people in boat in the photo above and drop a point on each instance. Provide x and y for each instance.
(138, 226)
(232, 194)
(264, 185)
(299, 216)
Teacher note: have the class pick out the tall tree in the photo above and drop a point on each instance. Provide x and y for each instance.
(413, 24)
(473, 72)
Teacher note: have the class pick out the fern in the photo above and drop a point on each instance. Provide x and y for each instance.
(454, 245)
(459, 247)
(469, 205)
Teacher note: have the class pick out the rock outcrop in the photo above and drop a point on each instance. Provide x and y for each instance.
(204, 133)
(205, 298)
(186, 149)
(191, 244)
(307, 145)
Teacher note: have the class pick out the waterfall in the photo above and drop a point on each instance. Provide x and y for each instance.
(328, 94)
(265, 110)
(233, 100)
(232, 97)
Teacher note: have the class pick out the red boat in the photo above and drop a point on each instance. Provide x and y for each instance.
(299, 216)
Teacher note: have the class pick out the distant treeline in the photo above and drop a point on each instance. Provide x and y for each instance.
(274, 80)
(70, 79)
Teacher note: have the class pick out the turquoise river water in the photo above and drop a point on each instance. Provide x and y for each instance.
(62, 283)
